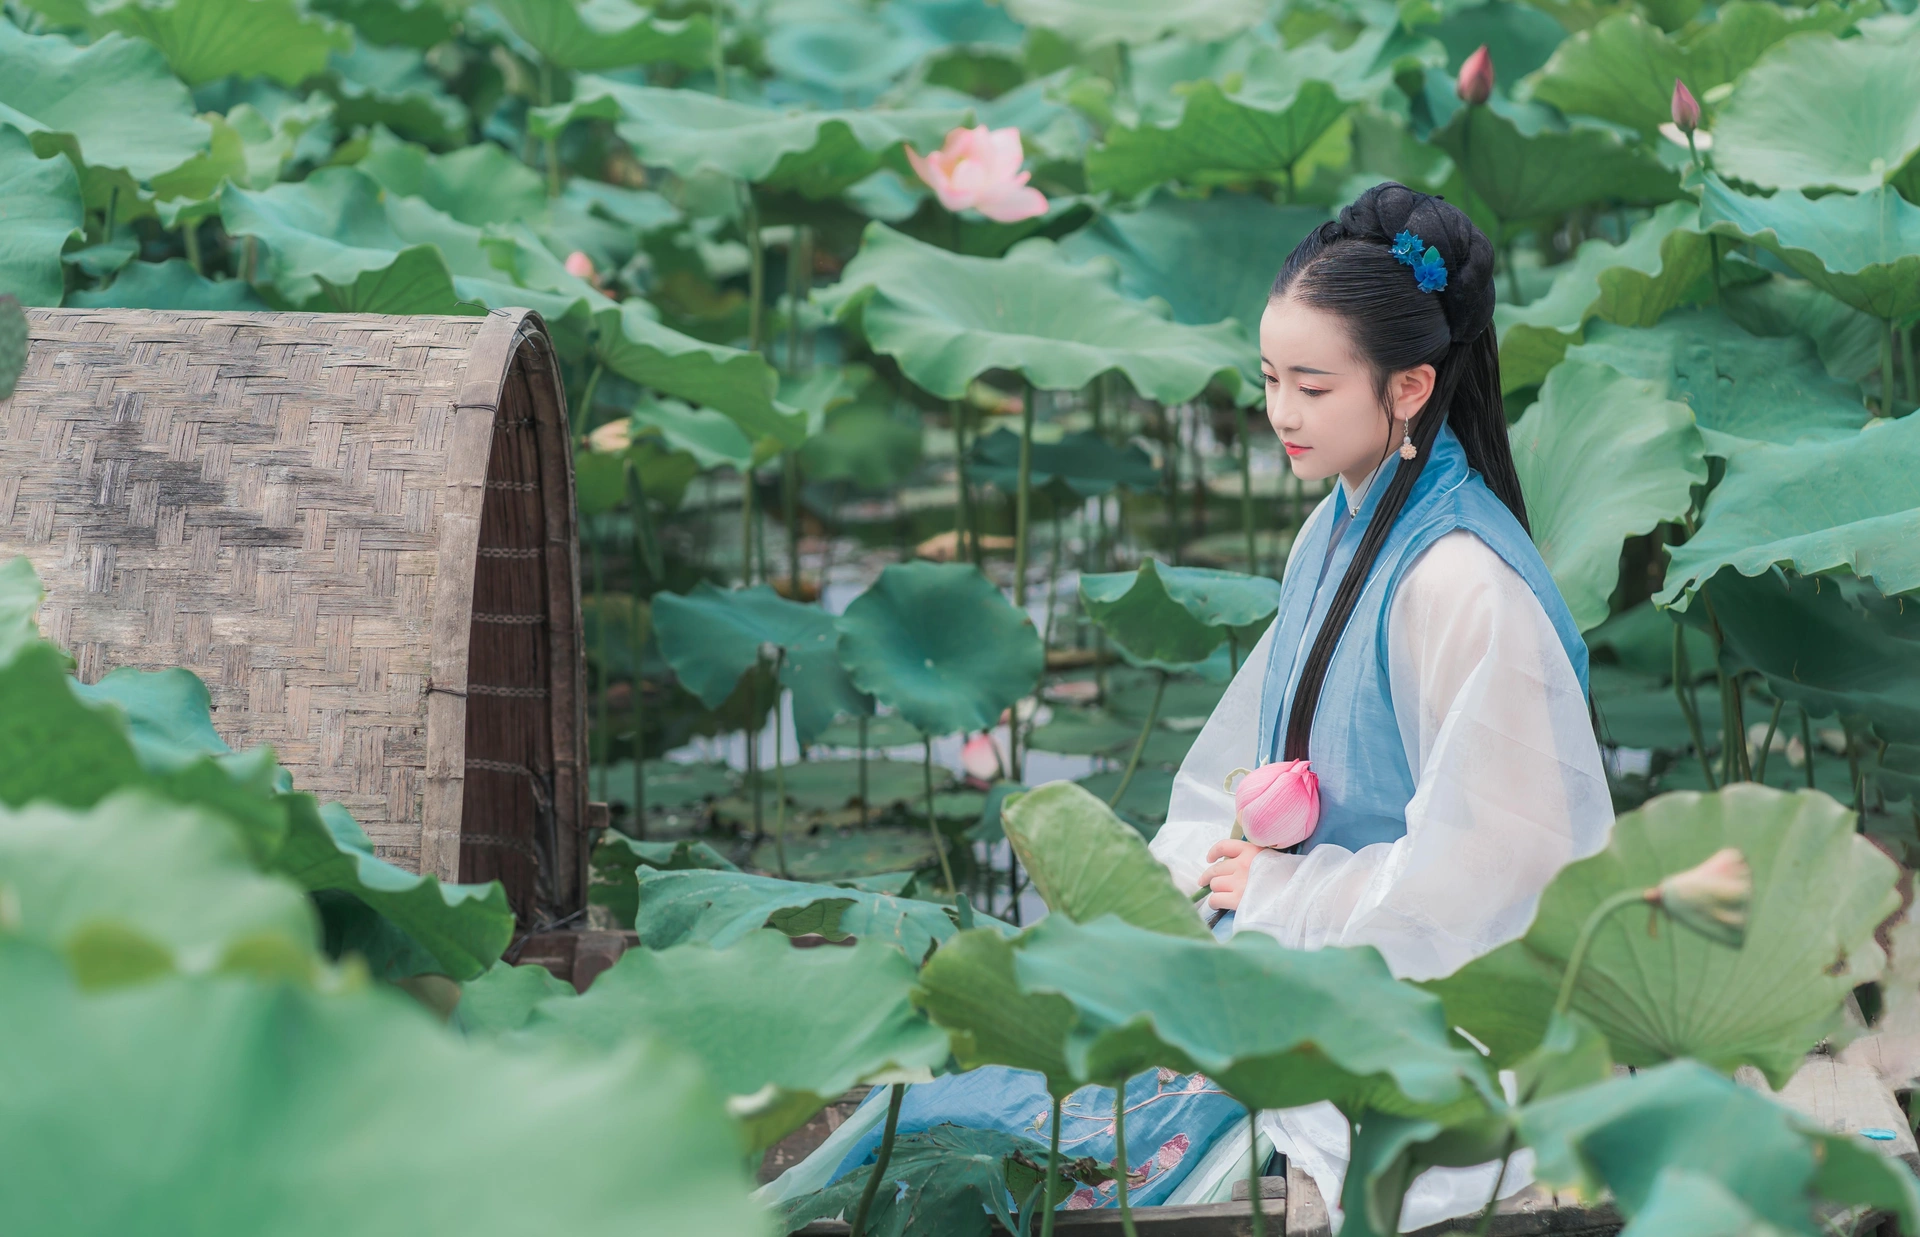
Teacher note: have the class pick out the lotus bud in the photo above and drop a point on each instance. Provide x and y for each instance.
(1711, 898)
(580, 266)
(1475, 83)
(1686, 108)
(981, 758)
(1276, 805)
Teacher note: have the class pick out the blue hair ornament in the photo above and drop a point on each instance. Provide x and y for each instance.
(1429, 271)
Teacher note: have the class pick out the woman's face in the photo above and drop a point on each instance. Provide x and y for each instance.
(1321, 399)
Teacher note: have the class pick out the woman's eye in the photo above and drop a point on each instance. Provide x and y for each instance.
(1313, 391)
(1271, 379)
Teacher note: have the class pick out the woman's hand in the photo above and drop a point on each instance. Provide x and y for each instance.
(1226, 873)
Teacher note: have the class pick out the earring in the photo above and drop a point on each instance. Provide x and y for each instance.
(1407, 449)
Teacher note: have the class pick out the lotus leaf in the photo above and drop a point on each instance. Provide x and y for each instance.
(503, 999)
(1847, 340)
(1144, 806)
(843, 1014)
(823, 785)
(606, 34)
(1624, 68)
(1683, 1150)
(1274, 1027)
(1819, 890)
(712, 438)
(1083, 732)
(1640, 640)
(847, 51)
(938, 643)
(275, 1076)
(818, 154)
(1284, 100)
(1602, 456)
(968, 987)
(112, 104)
(1848, 503)
(1742, 388)
(475, 185)
(1086, 862)
(1862, 248)
(1082, 465)
(39, 209)
(391, 86)
(949, 1180)
(721, 907)
(415, 23)
(1171, 617)
(1524, 163)
(1832, 645)
(1208, 258)
(832, 855)
(617, 857)
(871, 447)
(206, 40)
(1633, 284)
(137, 887)
(728, 380)
(1091, 24)
(1862, 134)
(947, 319)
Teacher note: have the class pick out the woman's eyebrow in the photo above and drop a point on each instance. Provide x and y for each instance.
(1297, 369)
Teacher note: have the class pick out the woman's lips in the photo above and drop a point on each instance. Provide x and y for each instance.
(1294, 448)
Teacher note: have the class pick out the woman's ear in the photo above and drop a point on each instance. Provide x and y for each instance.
(1411, 389)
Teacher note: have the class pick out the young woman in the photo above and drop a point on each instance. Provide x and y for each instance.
(1421, 660)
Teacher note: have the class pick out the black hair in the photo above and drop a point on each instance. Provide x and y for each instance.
(1346, 268)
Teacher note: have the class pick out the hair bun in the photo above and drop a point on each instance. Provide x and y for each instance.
(1390, 208)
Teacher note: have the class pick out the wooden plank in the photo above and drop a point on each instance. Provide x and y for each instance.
(1844, 1098)
(1270, 1187)
(1306, 1214)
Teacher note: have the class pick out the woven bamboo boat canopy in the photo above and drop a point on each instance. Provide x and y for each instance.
(357, 530)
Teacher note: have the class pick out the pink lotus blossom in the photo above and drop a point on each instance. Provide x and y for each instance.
(1686, 108)
(981, 758)
(1277, 805)
(980, 168)
(1475, 83)
(580, 266)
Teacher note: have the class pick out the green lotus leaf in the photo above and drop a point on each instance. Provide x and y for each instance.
(1090, 24)
(1862, 248)
(476, 185)
(414, 23)
(1281, 102)
(1847, 340)
(503, 999)
(1742, 388)
(1830, 644)
(721, 907)
(1683, 1150)
(206, 40)
(111, 105)
(968, 987)
(1274, 1027)
(712, 637)
(852, 855)
(394, 1123)
(392, 86)
(1524, 163)
(606, 34)
(40, 209)
(731, 381)
(1850, 503)
(247, 147)
(824, 785)
(57, 748)
(1083, 732)
(1633, 283)
(1865, 130)
(1080, 465)
(814, 153)
(137, 887)
(617, 857)
(712, 438)
(947, 319)
(848, 51)
(1602, 456)
(841, 1017)
(948, 1180)
(1086, 862)
(1623, 69)
(1172, 617)
(1640, 640)
(871, 447)
(1208, 258)
(1819, 890)
(940, 645)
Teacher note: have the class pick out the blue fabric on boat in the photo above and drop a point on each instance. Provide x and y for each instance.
(1171, 1120)
(1365, 782)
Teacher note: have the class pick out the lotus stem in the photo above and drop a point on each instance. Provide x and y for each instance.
(550, 144)
(779, 778)
(1140, 744)
(1246, 496)
(1053, 589)
(1120, 1164)
(586, 396)
(1766, 748)
(752, 734)
(1023, 498)
(1886, 373)
(1806, 743)
(897, 1093)
(863, 770)
(1733, 744)
(1253, 1174)
(1499, 1179)
(1578, 958)
(796, 281)
(600, 655)
(1913, 379)
(790, 500)
(966, 541)
(746, 525)
(190, 237)
(1513, 272)
(639, 827)
(1053, 1170)
(933, 822)
(1683, 689)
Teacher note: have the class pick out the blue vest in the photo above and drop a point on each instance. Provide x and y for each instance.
(1355, 746)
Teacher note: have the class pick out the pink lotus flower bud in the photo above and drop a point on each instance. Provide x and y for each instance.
(1475, 82)
(980, 168)
(1277, 805)
(1711, 898)
(580, 266)
(981, 758)
(1686, 108)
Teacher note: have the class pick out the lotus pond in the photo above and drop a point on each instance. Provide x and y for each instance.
(923, 518)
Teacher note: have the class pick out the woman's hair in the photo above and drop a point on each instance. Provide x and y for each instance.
(1347, 269)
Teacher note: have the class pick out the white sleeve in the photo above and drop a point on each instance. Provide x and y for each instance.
(1509, 787)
